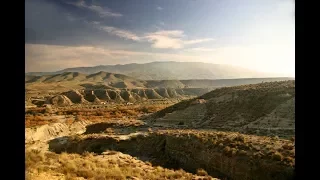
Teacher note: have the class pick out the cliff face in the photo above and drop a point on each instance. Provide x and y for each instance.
(60, 100)
(193, 154)
(221, 154)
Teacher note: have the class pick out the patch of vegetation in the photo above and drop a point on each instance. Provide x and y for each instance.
(38, 120)
(252, 102)
(277, 156)
(91, 167)
(233, 144)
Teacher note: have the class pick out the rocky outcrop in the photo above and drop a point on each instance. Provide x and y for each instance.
(102, 94)
(91, 97)
(51, 131)
(60, 100)
(75, 96)
(115, 95)
(127, 96)
(98, 96)
(172, 93)
(38, 102)
(163, 92)
(152, 94)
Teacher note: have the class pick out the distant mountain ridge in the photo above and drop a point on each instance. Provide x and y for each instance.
(100, 78)
(74, 87)
(106, 80)
(168, 70)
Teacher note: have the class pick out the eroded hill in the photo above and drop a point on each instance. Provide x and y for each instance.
(264, 108)
(100, 96)
(76, 88)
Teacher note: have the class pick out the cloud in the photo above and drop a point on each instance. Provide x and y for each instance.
(70, 17)
(159, 8)
(202, 49)
(41, 57)
(196, 41)
(165, 39)
(95, 22)
(171, 39)
(103, 12)
(120, 33)
(164, 42)
(174, 33)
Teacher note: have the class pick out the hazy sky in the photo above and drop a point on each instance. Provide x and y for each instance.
(256, 34)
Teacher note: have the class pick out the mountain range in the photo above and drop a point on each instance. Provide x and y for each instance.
(169, 70)
(107, 80)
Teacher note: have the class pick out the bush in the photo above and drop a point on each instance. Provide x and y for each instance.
(292, 139)
(257, 155)
(227, 150)
(277, 156)
(239, 138)
(131, 112)
(69, 121)
(288, 159)
(202, 172)
(233, 151)
(145, 109)
(287, 146)
(99, 113)
(275, 138)
(109, 131)
(242, 152)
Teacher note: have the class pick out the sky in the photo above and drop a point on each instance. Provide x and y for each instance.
(255, 34)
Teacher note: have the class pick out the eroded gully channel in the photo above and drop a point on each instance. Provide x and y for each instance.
(171, 151)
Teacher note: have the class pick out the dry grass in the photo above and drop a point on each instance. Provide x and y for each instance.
(113, 112)
(246, 152)
(111, 166)
(37, 120)
(237, 108)
(247, 99)
(69, 121)
(236, 144)
(36, 111)
(37, 116)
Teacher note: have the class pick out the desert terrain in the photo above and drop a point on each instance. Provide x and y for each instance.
(159, 90)
(113, 126)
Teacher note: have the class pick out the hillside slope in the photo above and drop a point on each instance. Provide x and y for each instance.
(169, 70)
(105, 78)
(264, 108)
